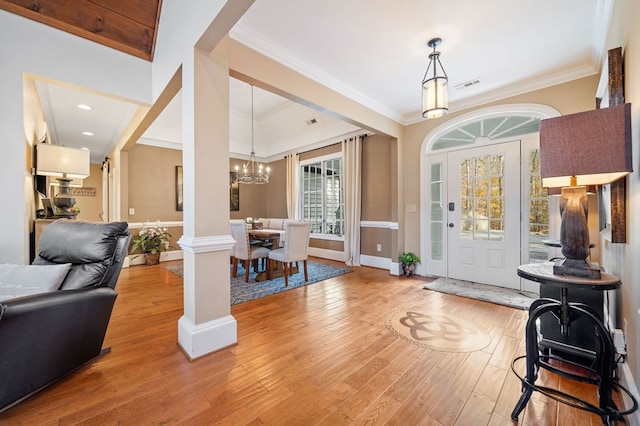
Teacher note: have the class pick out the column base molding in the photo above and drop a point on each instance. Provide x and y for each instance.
(206, 244)
(202, 339)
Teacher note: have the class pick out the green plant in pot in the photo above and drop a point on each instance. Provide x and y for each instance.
(408, 261)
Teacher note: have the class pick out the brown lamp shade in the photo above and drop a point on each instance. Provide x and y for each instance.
(595, 146)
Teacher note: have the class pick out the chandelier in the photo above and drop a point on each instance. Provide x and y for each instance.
(252, 170)
(435, 98)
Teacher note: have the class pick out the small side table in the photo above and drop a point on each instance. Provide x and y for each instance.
(602, 373)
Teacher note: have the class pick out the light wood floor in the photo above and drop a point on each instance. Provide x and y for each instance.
(320, 354)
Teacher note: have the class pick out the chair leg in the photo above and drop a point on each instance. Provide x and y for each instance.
(306, 274)
(235, 267)
(286, 274)
(246, 270)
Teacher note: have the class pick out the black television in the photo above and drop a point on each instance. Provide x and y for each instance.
(41, 182)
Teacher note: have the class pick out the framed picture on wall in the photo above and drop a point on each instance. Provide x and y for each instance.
(234, 192)
(179, 196)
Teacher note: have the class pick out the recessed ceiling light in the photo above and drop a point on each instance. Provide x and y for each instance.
(87, 133)
(85, 107)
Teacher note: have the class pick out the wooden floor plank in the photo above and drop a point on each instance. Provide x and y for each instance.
(320, 354)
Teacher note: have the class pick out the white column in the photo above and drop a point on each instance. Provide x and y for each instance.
(15, 173)
(207, 324)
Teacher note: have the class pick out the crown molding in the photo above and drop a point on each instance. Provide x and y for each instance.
(513, 90)
(255, 41)
(160, 143)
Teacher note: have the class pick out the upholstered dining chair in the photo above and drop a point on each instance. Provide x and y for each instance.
(245, 251)
(295, 249)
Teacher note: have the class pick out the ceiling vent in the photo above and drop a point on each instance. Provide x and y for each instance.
(467, 84)
(312, 121)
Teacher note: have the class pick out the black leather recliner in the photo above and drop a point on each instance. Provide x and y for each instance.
(47, 336)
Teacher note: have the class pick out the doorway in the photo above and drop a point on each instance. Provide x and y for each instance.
(483, 214)
(483, 209)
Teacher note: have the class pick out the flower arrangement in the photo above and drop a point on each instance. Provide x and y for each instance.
(152, 238)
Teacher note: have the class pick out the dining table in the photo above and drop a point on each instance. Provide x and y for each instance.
(274, 236)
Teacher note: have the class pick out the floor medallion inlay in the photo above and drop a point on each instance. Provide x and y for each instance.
(437, 331)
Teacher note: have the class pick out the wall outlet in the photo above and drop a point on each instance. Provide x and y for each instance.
(132, 211)
(619, 342)
(379, 247)
(411, 208)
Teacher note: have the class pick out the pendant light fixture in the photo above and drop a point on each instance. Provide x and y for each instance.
(435, 96)
(252, 170)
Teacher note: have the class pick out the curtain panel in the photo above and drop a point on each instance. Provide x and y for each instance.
(352, 155)
(293, 169)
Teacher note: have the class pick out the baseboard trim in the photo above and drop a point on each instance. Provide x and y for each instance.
(376, 262)
(326, 254)
(395, 269)
(202, 339)
(378, 224)
(626, 380)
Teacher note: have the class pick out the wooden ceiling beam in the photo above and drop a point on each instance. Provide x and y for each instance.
(142, 11)
(121, 24)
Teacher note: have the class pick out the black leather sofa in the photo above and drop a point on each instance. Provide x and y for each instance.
(47, 336)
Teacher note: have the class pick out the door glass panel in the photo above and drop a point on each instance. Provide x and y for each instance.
(466, 168)
(436, 241)
(538, 211)
(496, 230)
(482, 198)
(482, 187)
(497, 208)
(497, 165)
(496, 186)
(482, 168)
(436, 218)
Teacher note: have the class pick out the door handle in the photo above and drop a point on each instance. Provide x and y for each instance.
(450, 224)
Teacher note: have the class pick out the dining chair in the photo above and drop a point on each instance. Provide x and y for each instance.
(296, 249)
(245, 251)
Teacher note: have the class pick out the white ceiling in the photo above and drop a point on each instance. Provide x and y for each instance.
(375, 52)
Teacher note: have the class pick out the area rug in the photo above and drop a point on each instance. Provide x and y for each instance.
(243, 292)
(437, 330)
(488, 293)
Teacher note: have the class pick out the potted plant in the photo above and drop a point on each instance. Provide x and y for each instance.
(151, 240)
(408, 261)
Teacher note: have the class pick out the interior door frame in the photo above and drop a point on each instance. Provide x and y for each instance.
(427, 155)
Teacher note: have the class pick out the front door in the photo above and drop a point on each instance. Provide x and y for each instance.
(483, 214)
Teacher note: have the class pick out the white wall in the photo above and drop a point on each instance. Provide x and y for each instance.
(622, 259)
(33, 48)
(180, 28)
(45, 52)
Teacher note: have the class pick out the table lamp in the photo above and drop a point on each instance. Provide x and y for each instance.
(576, 150)
(65, 164)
